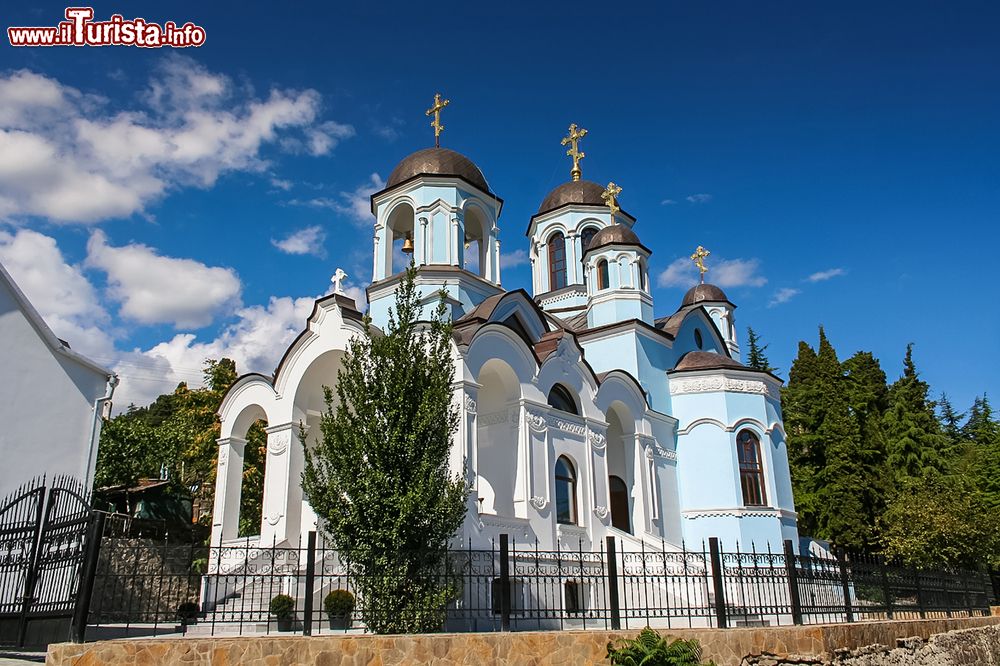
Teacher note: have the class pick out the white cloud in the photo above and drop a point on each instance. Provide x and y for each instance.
(783, 295)
(356, 204)
(667, 202)
(515, 258)
(304, 241)
(826, 275)
(60, 292)
(155, 289)
(281, 183)
(699, 198)
(69, 157)
(722, 272)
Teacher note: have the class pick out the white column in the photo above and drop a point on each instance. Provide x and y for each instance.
(455, 243)
(572, 261)
(282, 513)
(425, 241)
(375, 253)
(228, 485)
(496, 245)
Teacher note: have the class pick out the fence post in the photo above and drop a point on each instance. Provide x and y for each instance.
(720, 593)
(307, 609)
(88, 572)
(920, 593)
(504, 583)
(616, 613)
(845, 585)
(791, 571)
(885, 587)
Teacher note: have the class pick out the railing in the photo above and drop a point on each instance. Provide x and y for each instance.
(143, 586)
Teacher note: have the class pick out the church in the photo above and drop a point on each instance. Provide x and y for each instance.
(584, 413)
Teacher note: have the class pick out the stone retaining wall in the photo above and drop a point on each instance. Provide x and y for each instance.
(819, 644)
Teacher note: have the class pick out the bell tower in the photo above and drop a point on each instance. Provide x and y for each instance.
(438, 211)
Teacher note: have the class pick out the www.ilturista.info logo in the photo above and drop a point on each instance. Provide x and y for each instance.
(79, 29)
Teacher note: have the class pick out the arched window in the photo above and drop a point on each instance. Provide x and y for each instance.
(557, 262)
(751, 470)
(561, 399)
(698, 340)
(642, 274)
(565, 492)
(603, 279)
(586, 236)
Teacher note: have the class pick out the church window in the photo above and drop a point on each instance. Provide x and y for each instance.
(642, 275)
(751, 470)
(560, 398)
(557, 262)
(603, 278)
(619, 504)
(565, 492)
(586, 236)
(698, 340)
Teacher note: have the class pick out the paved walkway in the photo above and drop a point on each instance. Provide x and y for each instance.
(21, 658)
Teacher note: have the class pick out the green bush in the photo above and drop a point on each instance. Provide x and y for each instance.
(282, 607)
(187, 610)
(339, 603)
(651, 649)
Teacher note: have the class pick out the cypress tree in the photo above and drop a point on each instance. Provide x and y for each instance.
(805, 453)
(379, 476)
(756, 353)
(914, 441)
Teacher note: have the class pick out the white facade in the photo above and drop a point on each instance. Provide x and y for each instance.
(43, 376)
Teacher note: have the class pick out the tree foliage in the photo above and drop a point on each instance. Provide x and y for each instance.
(756, 353)
(379, 477)
(651, 649)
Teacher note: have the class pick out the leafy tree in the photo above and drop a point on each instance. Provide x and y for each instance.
(914, 441)
(940, 520)
(252, 494)
(125, 454)
(756, 356)
(379, 477)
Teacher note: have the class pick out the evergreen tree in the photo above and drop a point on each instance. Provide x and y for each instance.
(950, 421)
(914, 441)
(756, 356)
(799, 401)
(982, 431)
(379, 475)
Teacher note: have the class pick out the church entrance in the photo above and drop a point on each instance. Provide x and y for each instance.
(619, 504)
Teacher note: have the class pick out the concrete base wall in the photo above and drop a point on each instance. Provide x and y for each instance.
(727, 647)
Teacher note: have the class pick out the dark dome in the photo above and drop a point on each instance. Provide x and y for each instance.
(703, 360)
(437, 162)
(704, 293)
(616, 234)
(574, 192)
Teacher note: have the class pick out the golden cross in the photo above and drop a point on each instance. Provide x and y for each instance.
(699, 260)
(610, 196)
(573, 140)
(436, 123)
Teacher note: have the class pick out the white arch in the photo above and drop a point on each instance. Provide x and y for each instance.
(250, 398)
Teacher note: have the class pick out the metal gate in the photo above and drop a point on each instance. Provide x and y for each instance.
(43, 530)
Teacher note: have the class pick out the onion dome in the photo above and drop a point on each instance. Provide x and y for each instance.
(704, 293)
(703, 360)
(437, 162)
(616, 234)
(583, 192)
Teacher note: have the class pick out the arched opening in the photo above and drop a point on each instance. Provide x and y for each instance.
(566, 512)
(557, 261)
(252, 484)
(399, 229)
(621, 466)
(496, 437)
(751, 469)
(561, 398)
(641, 267)
(603, 276)
(474, 256)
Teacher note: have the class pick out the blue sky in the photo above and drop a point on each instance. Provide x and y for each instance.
(146, 195)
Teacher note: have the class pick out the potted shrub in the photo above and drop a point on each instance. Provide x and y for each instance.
(283, 609)
(339, 605)
(187, 611)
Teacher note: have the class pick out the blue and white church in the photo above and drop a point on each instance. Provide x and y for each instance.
(584, 413)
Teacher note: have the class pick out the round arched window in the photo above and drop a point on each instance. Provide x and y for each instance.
(603, 274)
(560, 398)
(557, 261)
(586, 236)
(698, 340)
(751, 469)
(565, 492)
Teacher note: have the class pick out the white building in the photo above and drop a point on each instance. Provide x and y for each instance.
(51, 398)
(583, 414)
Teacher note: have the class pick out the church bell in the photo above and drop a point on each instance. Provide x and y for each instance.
(408, 244)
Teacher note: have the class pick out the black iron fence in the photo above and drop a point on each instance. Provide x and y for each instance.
(139, 585)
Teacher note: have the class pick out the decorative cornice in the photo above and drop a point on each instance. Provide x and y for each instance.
(601, 512)
(740, 512)
(538, 502)
(568, 426)
(493, 418)
(470, 404)
(535, 421)
(277, 442)
(597, 440)
(720, 383)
